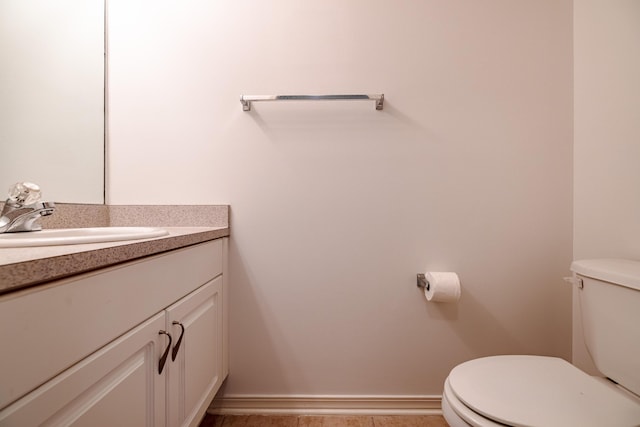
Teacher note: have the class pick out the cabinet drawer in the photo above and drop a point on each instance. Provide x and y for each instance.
(47, 329)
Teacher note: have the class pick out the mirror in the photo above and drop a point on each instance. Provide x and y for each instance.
(52, 98)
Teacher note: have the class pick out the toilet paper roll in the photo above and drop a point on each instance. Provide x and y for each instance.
(443, 287)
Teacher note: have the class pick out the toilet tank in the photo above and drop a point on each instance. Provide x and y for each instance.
(609, 299)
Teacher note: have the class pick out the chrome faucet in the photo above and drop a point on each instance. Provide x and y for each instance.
(23, 208)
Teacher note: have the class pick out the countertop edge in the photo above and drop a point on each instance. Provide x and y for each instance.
(20, 275)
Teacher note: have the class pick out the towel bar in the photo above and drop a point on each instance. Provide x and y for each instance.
(246, 100)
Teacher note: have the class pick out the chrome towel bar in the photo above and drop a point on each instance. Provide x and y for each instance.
(246, 100)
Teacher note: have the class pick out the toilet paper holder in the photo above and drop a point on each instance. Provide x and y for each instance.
(422, 281)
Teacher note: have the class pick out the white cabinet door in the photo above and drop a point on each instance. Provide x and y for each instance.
(196, 373)
(119, 385)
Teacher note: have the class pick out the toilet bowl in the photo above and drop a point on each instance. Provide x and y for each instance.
(533, 391)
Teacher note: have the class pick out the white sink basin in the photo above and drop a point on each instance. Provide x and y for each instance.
(74, 236)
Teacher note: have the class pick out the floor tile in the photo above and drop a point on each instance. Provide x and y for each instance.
(334, 421)
(410, 421)
(260, 421)
(322, 421)
(211, 421)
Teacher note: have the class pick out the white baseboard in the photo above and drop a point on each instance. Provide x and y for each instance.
(326, 405)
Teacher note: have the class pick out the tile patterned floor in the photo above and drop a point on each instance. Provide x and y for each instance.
(322, 421)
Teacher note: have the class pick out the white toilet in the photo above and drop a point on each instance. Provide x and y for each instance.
(538, 391)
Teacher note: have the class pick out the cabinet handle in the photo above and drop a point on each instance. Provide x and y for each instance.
(163, 359)
(176, 347)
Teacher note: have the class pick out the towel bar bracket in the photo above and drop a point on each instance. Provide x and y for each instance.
(246, 105)
(380, 102)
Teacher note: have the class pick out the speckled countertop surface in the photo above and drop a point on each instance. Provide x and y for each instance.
(23, 267)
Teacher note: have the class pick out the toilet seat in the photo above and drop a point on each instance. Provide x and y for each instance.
(535, 391)
(458, 415)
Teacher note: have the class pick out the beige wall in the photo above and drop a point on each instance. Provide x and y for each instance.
(336, 206)
(607, 135)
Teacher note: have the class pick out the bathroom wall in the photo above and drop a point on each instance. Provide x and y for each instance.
(336, 206)
(607, 135)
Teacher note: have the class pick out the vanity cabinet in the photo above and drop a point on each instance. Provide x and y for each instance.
(88, 350)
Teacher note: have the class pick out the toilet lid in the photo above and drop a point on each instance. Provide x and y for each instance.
(533, 391)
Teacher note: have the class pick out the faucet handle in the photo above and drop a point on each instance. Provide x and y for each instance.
(24, 193)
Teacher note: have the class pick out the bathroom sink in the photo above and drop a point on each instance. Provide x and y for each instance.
(74, 236)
